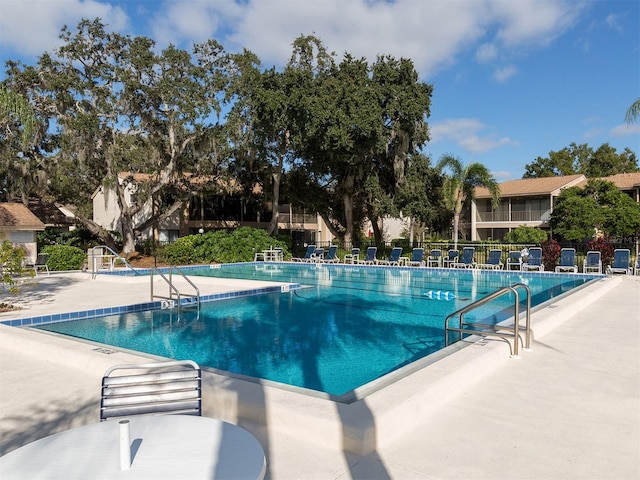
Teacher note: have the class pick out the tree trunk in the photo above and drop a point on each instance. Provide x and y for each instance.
(275, 215)
(348, 218)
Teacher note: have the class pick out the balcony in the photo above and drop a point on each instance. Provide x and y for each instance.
(516, 217)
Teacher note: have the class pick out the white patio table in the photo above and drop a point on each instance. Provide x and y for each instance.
(162, 447)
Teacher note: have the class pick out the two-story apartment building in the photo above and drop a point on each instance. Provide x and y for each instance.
(530, 202)
(203, 212)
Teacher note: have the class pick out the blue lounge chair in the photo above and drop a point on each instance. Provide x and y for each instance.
(534, 261)
(332, 255)
(394, 257)
(621, 261)
(514, 262)
(317, 256)
(466, 260)
(435, 258)
(353, 256)
(567, 261)
(452, 257)
(311, 249)
(494, 260)
(370, 257)
(636, 269)
(592, 262)
(417, 255)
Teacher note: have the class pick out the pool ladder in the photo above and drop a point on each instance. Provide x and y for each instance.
(488, 330)
(173, 290)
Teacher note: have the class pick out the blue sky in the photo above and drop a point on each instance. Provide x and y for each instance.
(514, 79)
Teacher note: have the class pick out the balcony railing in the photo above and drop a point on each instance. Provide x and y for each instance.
(527, 216)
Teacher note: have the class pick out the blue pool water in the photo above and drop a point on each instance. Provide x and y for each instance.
(346, 327)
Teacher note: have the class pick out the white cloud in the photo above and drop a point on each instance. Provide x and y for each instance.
(612, 21)
(431, 33)
(486, 53)
(32, 27)
(624, 130)
(505, 73)
(466, 133)
(535, 22)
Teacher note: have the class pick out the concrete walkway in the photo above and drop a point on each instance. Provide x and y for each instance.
(567, 409)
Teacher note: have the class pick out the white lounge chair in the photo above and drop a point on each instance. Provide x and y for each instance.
(494, 260)
(592, 262)
(534, 260)
(567, 261)
(621, 261)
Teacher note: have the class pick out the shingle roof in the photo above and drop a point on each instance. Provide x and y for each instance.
(533, 186)
(15, 216)
(625, 181)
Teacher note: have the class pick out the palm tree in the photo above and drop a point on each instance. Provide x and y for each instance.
(633, 111)
(459, 186)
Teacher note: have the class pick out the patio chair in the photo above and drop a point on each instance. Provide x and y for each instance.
(435, 258)
(353, 256)
(317, 256)
(370, 257)
(311, 249)
(494, 260)
(534, 261)
(42, 259)
(621, 261)
(636, 269)
(592, 262)
(394, 257)
(332, 255)
(452, 257)
(417, 255)
(514, 261)
(173, 387)
(466, 260)
(567, 261)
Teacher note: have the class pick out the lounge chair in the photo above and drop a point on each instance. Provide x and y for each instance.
(592, 262)
(466, 260)
(621, 261)
(311, 249)
(172, 387)
(534, 261)
(435, 258)
(452, 257)
(567, 261)
(317, 256)
(394, 257)
(353, 256)
(494, 260)
(40, 263)
(636, 269)
(417, 255)
(514, 262)
(370, 257)
(332, 255)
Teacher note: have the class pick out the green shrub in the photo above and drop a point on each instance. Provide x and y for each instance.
(239, 245)
(525, 234)
(64, 257)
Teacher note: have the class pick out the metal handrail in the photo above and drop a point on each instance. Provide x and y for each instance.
(495, 330)
(116, 256)
(173, 289)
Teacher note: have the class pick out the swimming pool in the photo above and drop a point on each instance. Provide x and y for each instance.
(347, 326)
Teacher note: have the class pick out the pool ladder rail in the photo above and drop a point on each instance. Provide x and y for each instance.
(490, 330)
(173, 290)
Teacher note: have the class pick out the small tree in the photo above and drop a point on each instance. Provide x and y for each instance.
(12, 261)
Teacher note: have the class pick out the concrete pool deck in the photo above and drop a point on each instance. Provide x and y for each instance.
(569, 408)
